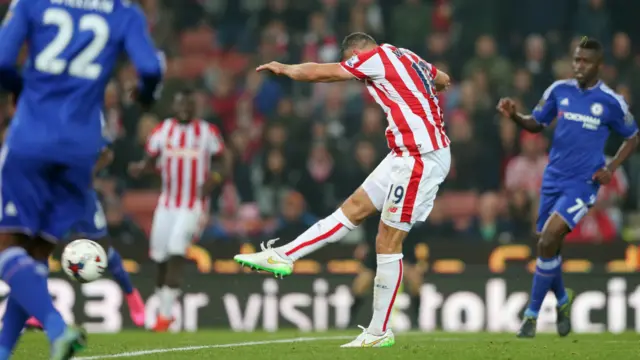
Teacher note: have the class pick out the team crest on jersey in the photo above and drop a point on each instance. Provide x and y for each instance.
(351, 62)
(596, 109)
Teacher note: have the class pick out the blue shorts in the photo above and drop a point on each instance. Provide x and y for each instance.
(93, 224)
(41, 197)
(571, 203)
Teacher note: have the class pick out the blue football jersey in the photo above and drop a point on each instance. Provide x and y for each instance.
(584, 121)
(73, 48)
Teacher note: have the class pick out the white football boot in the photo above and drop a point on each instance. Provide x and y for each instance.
(266, 260)
(369, 340)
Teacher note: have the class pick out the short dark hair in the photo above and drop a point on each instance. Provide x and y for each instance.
(591, 44)
(357, 40)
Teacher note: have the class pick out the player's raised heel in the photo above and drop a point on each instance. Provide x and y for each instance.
(266, 260)
(528, 328)
(563, 323)
(73, 340)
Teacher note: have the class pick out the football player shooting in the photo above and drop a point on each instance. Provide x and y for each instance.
(586, 110)
(183, 150)
(402, 187)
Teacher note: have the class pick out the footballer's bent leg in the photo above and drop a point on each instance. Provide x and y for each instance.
(333, 228)
(120, 274)
(548, 276)
(386, 285)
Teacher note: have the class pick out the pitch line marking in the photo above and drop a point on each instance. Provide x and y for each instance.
(240, 344)
(129, 354)
(217, 346)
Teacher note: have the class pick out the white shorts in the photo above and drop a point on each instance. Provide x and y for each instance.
(173, 231)
(404, 188)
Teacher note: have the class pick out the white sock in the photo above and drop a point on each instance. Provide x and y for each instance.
(167, 298)
(386, 285)
(328, 230)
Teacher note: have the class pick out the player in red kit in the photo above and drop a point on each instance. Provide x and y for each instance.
(182, 149)
(403, 186)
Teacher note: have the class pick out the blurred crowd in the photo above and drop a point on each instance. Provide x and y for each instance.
(297, 149)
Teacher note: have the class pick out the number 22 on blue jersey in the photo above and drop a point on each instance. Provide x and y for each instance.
(83, 65)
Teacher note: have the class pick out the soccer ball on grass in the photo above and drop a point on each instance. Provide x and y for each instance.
(84, 260)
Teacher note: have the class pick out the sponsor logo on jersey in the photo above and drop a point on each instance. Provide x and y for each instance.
(588, 122)
(353, 61)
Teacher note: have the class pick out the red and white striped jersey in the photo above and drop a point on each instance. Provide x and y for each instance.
(184, 154)
(402, 84)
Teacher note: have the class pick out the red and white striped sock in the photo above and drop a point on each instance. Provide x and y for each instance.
(386, 285)
(328, 230)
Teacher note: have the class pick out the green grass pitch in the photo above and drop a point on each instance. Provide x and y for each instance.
(220, 344)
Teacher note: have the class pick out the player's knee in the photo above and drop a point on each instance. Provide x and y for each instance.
(549, 242)
(358, 207)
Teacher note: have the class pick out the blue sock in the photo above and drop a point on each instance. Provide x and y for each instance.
(27, 280)
(557, 286)
(547, 270)
(12, 324)
(118, 271)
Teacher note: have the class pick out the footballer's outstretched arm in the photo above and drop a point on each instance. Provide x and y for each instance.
(507, 107)
(310, 72)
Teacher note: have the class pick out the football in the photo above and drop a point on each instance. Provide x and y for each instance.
(84, 260)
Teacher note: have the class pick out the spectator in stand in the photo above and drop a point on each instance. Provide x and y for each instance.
(320, 44)
(242, 154)
(592, 19)
(293, 219)
(319, 181)
(536, 61)
(273, 183)
(372, 130)
(523, 88)
(523, 178)
(488, 60)
(437, 48)
(411, 22)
